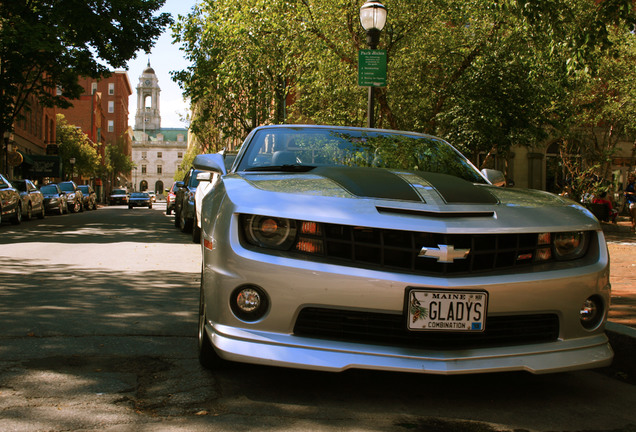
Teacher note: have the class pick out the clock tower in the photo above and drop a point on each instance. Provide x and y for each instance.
(148, 117)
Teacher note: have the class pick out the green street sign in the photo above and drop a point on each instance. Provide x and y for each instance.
(372, 68)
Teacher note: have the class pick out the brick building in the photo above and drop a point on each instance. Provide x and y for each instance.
(102, 113)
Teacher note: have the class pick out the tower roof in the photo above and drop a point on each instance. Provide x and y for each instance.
(148, 69)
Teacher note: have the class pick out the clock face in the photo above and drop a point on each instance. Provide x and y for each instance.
(147, 82)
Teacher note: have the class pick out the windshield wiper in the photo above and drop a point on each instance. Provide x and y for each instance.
(284, 168)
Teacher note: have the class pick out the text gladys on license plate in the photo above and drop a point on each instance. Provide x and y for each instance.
(447, 310)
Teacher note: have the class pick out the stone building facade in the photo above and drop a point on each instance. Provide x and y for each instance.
(156, 152)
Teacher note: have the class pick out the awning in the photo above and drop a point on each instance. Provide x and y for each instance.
(26, 159)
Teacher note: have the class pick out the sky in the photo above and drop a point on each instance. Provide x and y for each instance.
(164, 57)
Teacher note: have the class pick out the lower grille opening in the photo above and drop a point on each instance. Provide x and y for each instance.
(389, 329)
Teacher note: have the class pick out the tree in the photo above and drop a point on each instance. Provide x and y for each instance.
(117, 161)
(45, 45)
(486, 75)
(75, 144)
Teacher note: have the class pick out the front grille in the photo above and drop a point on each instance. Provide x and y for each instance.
(390, 329)
(395, 250)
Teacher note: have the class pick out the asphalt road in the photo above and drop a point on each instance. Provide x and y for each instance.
(98, 318)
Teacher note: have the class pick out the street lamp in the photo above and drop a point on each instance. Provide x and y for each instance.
(372, 19)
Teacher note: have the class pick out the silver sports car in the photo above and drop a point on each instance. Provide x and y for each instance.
(331, 248)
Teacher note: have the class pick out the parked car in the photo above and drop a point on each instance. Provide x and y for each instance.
(118, 196)
(31, 198)
(54, 199)
(10, 203)
(331, 248)
(184, 201)
(207, 181)
(170, 197)
(74, 196)
(89, 196)
(139, 199)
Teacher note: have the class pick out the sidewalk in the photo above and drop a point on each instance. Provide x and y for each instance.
(622, 247)
(621, 327)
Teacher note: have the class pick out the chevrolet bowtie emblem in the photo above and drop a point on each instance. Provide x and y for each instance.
(444, 253)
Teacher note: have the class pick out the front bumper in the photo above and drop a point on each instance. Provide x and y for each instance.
(293, 285)
(139, 204)
(289, 351)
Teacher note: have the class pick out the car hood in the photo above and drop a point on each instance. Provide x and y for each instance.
(380, 197)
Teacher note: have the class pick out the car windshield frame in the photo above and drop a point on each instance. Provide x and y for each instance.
(139, 195)
(118, 192)
(301, 149)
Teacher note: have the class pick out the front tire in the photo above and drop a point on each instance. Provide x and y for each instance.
(208, 358)
(196, 230)
(17, 218)
(29, 213)
(184, 224)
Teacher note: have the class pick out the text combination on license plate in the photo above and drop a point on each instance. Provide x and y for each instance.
(446, 310)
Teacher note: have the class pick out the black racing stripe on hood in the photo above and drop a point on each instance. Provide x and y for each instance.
(370, 182)
(455, 190)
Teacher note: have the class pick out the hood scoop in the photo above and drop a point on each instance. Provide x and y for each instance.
(435, 214)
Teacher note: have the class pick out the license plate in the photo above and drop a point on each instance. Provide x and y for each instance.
(447, 310)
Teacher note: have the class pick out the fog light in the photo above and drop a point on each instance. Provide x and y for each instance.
(591, 313)
(249, 303)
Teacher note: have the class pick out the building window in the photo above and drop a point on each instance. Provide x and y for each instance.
(111, 88)
(111, 125)
(159, 169)
(180, 138)
(111, 106)
(179, 155)
(143, 169)
(144, 154)
(93, 88)
(159, 155)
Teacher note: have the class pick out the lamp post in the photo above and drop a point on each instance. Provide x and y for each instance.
(6, 137)
(372, 19)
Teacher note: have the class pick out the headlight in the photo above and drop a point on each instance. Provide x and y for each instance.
(269, 232)
(71, 196)
(570, 245)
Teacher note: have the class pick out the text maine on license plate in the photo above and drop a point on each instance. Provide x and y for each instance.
(447, 310)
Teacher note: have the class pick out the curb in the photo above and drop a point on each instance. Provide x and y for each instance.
(623, 341)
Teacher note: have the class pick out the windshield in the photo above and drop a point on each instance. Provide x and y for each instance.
(139, 195)
(118, 192)
(19, 185)
(83, 188)
(49, 189)
(66, 187)
(194, 181)
(304, 148)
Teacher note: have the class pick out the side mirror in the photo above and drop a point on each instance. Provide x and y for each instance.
(210, 162)
(496, 178)
(204, 176)
(180, 184)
